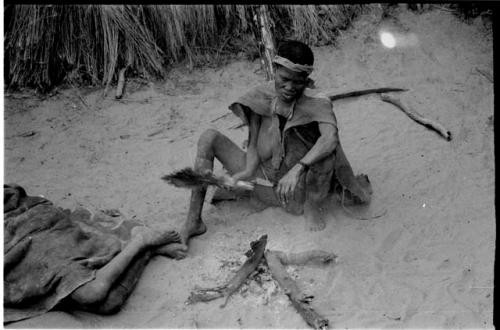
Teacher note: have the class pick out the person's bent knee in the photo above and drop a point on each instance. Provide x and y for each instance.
(207, 139)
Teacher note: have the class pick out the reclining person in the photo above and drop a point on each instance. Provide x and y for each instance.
(57, 258)
(293, 143)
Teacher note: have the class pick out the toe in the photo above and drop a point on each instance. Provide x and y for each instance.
(175, 250)
(173, 236)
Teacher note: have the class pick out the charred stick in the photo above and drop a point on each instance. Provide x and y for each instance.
(254, 256)
(299, 301)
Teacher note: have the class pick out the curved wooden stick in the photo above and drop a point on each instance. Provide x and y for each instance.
(418, 117)
(364, 92)
(344, 95)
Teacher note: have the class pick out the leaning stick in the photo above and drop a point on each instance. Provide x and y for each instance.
(254, 256)
(299, 301)
(121, 83)
(364, 92)
(418, 117)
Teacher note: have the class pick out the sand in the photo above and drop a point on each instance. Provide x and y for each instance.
(428, 262)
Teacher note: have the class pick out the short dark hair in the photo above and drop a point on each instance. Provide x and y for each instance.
(296, 51)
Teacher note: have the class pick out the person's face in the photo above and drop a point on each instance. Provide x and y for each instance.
(289, 84)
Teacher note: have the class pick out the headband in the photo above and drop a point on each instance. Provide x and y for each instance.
(293, 66)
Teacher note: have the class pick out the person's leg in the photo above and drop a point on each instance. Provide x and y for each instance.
(211, 144)
(123, 287)
(314, 214)
(316, 194)
(94, 293)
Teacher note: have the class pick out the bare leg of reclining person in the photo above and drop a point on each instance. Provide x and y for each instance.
(211, 144)
(115, 281)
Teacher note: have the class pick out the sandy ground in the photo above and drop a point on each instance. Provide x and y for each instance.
(427, 263)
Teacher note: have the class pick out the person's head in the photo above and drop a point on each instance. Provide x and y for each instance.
(293, 64)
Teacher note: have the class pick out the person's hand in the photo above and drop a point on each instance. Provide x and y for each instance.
(287, 186)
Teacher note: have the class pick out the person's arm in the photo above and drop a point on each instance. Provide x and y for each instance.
(324, 146)
(252, 158)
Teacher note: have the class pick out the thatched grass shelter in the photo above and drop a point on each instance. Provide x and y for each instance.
(46, 44)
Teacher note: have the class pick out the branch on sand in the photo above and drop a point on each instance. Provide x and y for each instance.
(418, 117)
(364, 92)
(298, 299)
(276, 261)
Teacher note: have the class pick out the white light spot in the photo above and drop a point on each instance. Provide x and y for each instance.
(387, 39)
(423, 205)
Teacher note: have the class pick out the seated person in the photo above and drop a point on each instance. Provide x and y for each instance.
(69, 260)
(293, 143)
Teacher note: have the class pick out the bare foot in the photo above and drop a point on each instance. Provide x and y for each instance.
(153, 237)
(315, 218)
(179, 251)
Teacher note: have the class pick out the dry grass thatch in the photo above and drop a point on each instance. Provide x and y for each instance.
(45, 44)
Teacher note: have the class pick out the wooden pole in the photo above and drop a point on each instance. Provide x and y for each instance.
(266, 40)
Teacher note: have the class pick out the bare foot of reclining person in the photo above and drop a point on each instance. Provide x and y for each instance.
(179, 250)
(149, 237)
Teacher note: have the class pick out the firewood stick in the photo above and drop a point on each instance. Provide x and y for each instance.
(418, 117)
(254, 256)
(299, 301)
(317, 257)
